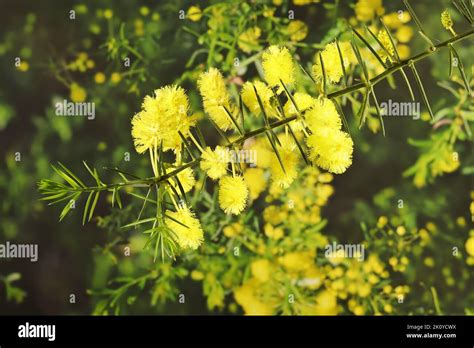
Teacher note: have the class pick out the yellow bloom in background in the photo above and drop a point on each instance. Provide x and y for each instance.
(323, 114)
(214, 163)
(404, 34)
(77, 93)
(445, 162)
(304, 2)
(248, 40)
(366, 10)
(233, 194)
(289, 156)
(470, 246)
(403, 51)
(24, 66)
(194, 13)
(250, 98)
(160, 119)
(297, 30)
(255, 179)
(297, 261)
(215, 97)
(108, 13)
(273, 232)
(394, 20)
(261, 270)
(99, 78)
(189, 236)
(115, 78)
(144, 11)
(331, 149)
(246, 297)
(278, 65)
(233, 230)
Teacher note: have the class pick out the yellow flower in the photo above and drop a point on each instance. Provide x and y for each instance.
(189, 236)
(470, 246)
(297, 261)
(273, 232)
(404, 34)
(233, 229)
(160, 119)
(99, 78)
(186, 178)
(144, 11)
(214, 163)
(261, 269)
(367, 9)
(387, 44)
(197, 275)
(78, 94)
(278, 65)
(248, 40)
(255, 179)
(403, 51)
(215, 97)
(289, 157)
(250, 98)
(331, 149)
(24, 66)
(446, 20)
(332, 62)
(233, 194)
(246, 297)
(326, 303)
(304, 2)
(304, 102)
(194, 13)
(115, 77)
(297, 30)
(108, 13)
(323, 114)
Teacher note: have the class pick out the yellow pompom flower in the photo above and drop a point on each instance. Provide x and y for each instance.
(404, 34)
(250, 98)
(214, 163)
(278, 65)
(99, 78)
(189, 236)
(323, 114)
(297, 30)
(302, 100)
(289, 157)
(330, 149)
(233, 194)
(186, 178)
(332, 62)
(215, 97)
(261, 270)
(115, 77)
(160, 119)
(366, 10)
(194, 13)
(77, 94)
(255, 179)
(470, 246)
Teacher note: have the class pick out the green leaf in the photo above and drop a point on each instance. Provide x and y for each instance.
(234, 121)
(421, 88)
(323, 70)
(363, 109)
(186, 145)
(377, 108)
(392, 41)
(460, 68)
(72, 175)
(355, 48)
(368, 46)
(94, 203)
(275, 150)
(342, 63)
(265, 117)
(86, 208)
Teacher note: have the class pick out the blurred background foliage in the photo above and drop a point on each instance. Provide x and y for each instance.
(403, 197)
